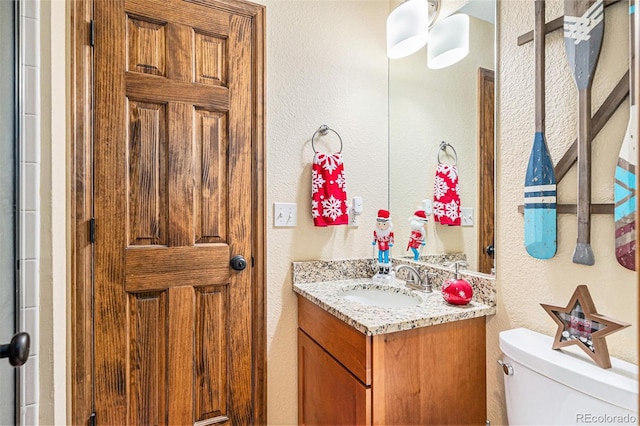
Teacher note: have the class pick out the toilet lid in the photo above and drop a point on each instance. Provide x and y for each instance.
(570, 366)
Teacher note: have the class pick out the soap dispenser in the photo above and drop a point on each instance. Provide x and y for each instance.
(457, 291)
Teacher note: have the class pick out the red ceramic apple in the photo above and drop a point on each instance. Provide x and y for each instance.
(457, 291)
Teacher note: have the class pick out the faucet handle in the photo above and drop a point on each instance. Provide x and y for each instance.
(428, 275)
(426, 282)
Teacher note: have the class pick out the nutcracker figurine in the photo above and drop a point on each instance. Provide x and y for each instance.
(416, 239)
(383, 237)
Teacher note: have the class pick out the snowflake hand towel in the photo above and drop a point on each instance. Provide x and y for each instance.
(446, 197)
(328, 190)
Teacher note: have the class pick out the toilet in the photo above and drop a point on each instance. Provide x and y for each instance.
(544, 386)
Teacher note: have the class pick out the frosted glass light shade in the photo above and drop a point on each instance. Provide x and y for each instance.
(448, 41)
(407, 27)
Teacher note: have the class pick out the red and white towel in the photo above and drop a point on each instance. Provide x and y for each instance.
(446, 195)
(328, 190)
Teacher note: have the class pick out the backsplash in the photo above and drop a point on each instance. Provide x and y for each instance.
(437, 259)
(331, 270)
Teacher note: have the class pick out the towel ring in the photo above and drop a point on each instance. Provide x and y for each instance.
(443, 147)
(324, 130)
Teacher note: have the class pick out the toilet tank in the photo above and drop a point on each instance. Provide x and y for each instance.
(564, 387)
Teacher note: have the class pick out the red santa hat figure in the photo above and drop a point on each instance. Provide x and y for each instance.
(383, 237)
(419, 216)
(417, 237)
(383, 216)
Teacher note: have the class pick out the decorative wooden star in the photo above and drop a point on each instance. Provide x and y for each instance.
(579, 324)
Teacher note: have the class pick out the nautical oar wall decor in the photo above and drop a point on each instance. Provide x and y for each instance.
(583, 31)
(583, 27)
(540, 181)
(625, 177)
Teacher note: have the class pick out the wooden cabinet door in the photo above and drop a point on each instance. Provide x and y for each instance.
(432, 375)
(327, 393)
(173, 196)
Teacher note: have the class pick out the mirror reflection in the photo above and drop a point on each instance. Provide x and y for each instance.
(455, 105)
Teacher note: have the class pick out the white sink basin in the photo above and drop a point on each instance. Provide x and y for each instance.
(384, 298)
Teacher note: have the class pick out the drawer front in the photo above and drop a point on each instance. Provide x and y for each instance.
(327, 393)
(350, 347)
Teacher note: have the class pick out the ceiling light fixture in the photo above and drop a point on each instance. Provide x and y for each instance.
(449, 41)
(407, 26)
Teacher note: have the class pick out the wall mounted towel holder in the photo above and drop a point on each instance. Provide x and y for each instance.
(324, 130)
(443, 147)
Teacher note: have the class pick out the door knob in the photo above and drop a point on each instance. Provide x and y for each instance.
(490, 250)
(18, 350)
(238, 263)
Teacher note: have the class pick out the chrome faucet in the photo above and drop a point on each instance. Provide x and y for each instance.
(414, 281)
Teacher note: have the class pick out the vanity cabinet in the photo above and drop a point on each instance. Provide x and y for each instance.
(428, 375)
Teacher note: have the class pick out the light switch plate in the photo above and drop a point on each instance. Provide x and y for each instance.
(285, 214)
(467, 216)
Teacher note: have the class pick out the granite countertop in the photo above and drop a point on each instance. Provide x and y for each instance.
(372, 320)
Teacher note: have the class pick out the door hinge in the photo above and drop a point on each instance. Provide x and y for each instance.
(91, 33)
(92, 230)
(92, 419)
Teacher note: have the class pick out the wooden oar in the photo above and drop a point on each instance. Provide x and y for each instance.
(583, 31)
(625, 179)
(540, 182)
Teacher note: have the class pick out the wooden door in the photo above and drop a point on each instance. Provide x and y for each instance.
(174, 199)
(486, 158)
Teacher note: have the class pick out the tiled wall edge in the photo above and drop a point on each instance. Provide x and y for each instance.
(29, 231)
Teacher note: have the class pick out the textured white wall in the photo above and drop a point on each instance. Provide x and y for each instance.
(326, 64)
(525, 282)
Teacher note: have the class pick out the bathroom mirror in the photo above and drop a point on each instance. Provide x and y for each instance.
(456, 105)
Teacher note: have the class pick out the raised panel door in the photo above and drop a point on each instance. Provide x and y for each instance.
(172, 155)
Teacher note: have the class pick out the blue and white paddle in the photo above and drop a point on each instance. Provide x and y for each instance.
(540, 181)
